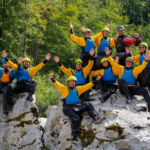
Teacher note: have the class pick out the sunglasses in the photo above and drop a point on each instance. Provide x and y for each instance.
(87, 33)
(142, 47)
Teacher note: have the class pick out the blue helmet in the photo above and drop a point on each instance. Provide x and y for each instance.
(3, 61)
(120, 27)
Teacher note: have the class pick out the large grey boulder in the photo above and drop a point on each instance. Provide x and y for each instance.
(21, 129)
(125, 127)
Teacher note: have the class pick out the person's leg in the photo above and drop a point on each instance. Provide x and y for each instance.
(124, 89)
(108, 90)
(85, 96)
(9, 95)
(27, 86)
(75, 120)
(30, 88)
(142, 91)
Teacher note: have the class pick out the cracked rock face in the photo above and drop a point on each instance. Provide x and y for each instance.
(125, 127)
(21, 129)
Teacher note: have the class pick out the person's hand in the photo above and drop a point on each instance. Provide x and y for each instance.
(71, 25)
(83, 28)
(136, 35)
(127, 50)
(107, 51)
(107, 26)
(20, 60)
(50, 75)
(146, 57)
(48, 56)
(4, 54)
(92, 52)
(117, 59)
(98, 78)
(56, 59)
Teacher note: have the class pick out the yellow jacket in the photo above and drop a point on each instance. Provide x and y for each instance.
(120, 69)
(86, 69)
(79, 40)
(98, 38)
(101, 72)
(65, 91)
(137, 57)
(32, 70)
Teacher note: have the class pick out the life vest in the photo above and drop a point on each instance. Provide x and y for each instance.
(72, 98)
(142, 59)
(24, 75)
(103, 45)
(89, 44)
(5, 76)
(120, 44)
(108, 75)
(128, 76)
(80, 78)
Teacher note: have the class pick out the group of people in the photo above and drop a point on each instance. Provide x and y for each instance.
(23, 73)
(108, 74)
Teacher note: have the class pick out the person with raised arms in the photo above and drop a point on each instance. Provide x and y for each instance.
(71, 106)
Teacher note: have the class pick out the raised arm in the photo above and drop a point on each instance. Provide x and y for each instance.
(87, 69)
(68, 72)
(14, 73)
(79, 40)
(62, 88)
(10, 63)
(34, 70)
(137, 70)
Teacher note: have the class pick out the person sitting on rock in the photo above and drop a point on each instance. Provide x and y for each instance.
(108, 83)
(102, 41)
(80, 73)
(71, 106)
(123, 41)
(128, 78)
(24, 77)
(86, 42)
(143, 78)
(7, 75)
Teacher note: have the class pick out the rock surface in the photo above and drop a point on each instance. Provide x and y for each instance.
(125, 127)
(21, 129)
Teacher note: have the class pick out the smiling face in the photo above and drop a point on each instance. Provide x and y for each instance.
(105, 64)
(78, 66)
(129, 64)
(72, 83)
(142, 48)
(121, 32)
(105, 34)
(87, 34)
(26, 64)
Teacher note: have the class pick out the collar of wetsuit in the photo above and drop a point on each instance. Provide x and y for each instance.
(87, 37)
(25, 68)
(129, 67)
(6, 70)
(79, 69)
(107, 66)
(121, 36)
(72, 88)
(105, 38)
(143, 52)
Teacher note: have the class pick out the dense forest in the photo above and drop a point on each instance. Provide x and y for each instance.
(35, 27)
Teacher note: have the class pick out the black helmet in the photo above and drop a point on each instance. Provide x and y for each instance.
(120, 27)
